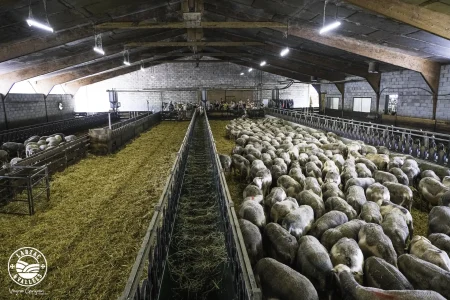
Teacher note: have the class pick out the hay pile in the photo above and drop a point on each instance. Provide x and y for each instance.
(92, 228)
(224, 146)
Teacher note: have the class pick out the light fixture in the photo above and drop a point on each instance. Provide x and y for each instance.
(284, 52)
(374, 67)
(142, 67)
(242, 73)
(249, 70)
(98, 44)
(263, 63)
(330, 26)
(126, 58)
(32, 22)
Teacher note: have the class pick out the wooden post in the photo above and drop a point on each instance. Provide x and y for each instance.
(2, 97)
(341, 88)
(45, 104)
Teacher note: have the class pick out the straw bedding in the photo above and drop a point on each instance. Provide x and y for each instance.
(92, 228)
(224, 146)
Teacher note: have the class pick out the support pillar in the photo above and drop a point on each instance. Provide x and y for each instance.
(341, 88)
(378, 103)
(435, 100)
(2, 98)
(46, 111)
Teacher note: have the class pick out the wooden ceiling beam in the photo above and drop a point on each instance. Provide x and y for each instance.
(180, 25)
(211, 54)
(28, 46)
(420, 17)
(276, 71)
(319, 60)
(430, 70)
(190, 44)
(7, 80)
(44, 86)
(74, 86)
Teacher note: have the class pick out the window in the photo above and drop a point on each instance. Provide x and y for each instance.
(362, 104)
(333, 102)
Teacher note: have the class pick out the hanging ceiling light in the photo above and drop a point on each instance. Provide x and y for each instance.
(263, 63)
(249, 70)
(126, 58)
(330, 26)
(98, 44)
(142, 66)
(284, 52)
(242, 73)
(32, 22)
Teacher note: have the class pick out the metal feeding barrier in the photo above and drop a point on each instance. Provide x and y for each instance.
(157, 241)
(23, 184)
(429, 146)
(155, 247)
(244, 279)
(75, 124)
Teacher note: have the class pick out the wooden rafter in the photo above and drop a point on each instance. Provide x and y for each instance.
(190, 44)
(179, 25)
(420, 17)
(430, 70)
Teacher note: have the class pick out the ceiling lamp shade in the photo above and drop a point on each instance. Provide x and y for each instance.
(98, 47)
(32, 22)
(126, 58)
(374, 67)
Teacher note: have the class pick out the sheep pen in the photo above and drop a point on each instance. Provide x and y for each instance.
(225, 145)
(305, 196)
(93, 225)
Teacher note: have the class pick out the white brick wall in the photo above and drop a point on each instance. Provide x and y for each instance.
(178, 76)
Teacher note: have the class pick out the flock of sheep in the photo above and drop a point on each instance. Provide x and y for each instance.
(325, 217)
(11, 152)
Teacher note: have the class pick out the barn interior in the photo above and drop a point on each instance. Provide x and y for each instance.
(115, 115)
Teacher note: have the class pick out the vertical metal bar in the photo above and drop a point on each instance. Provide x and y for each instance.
(109, 120)
(30, 197)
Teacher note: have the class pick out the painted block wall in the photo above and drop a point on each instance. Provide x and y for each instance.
(29, 109)
(443, 106)
(181, 76)
(414, 100)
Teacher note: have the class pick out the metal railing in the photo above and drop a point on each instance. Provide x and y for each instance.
(426, 145)
(155, 247)
(23, 184)
(22, 133)
(244, 279)
(59, 157)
